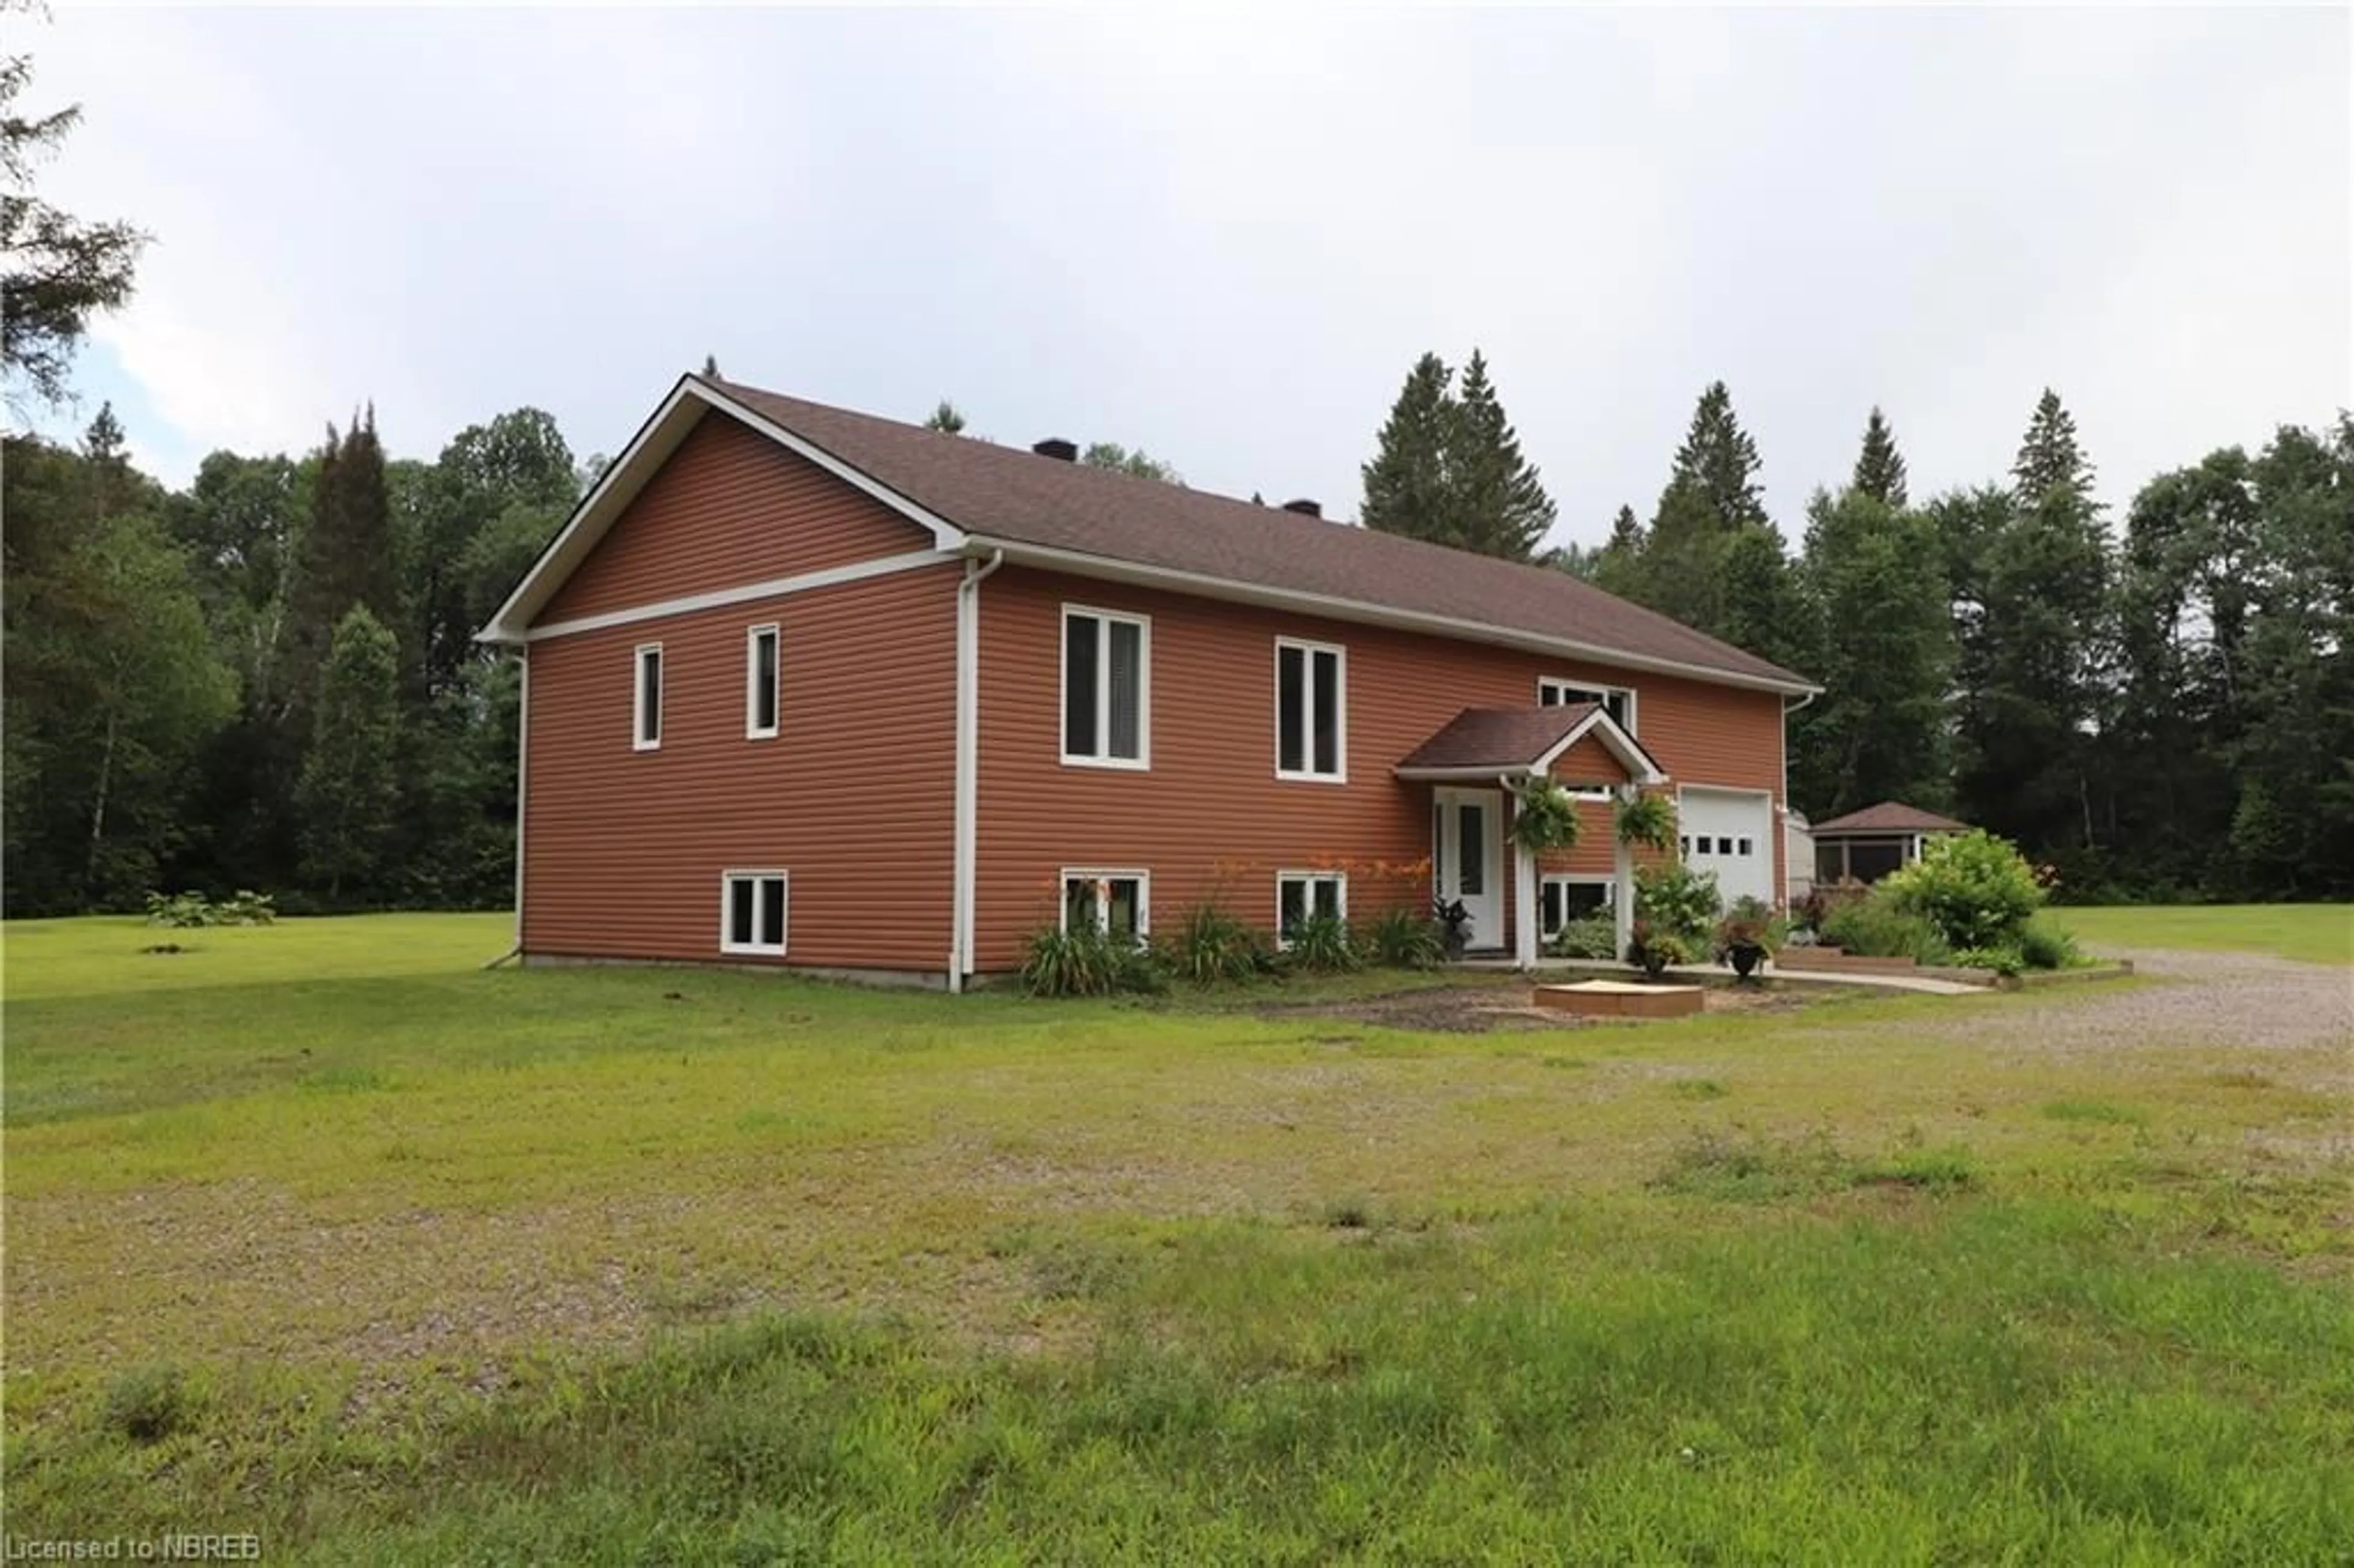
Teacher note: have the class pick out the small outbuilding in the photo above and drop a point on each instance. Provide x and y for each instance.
(1866, 845)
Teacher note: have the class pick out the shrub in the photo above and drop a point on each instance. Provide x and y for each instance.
(1975, 888)
(1213, 946)
(1596, 937)
(1323, 944)
(1403, 939)
(1083, 961)
(1545, 817)
(244, 907)
(2004, 961)
(2044, 945)
(1880, 927)
(1679, 901)
(148, 1403)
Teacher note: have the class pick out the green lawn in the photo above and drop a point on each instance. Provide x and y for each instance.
(322, 1232)
(2314, 933)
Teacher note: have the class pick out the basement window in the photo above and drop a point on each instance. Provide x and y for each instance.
(752, 913)
(1116, 902)
(1567, 898)
(1302, 895)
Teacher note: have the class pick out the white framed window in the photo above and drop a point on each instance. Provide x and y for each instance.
(752, 906)
(1565, 898)
(763, 700)
(646, 701)
(1117, 903)
(1107, 688)
(1300, 894)
(1619, 702)
(1311, 711)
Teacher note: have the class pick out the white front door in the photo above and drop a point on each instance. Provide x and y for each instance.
(1467, 858)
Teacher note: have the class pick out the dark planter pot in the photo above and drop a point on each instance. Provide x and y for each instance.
(1745, 957)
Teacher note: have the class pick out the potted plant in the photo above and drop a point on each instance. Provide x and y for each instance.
(1453, 925)
(1648, 821)
(1750, 933)
(1653, 947)
(1545, 817)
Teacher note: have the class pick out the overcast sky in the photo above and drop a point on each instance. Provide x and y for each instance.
(1225, 238)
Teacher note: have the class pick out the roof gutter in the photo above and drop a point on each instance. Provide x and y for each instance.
(1078, 562)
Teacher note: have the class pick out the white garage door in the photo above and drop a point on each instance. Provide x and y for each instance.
(1730, 832)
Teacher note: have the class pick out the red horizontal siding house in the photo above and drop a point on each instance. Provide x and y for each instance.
(810, 688)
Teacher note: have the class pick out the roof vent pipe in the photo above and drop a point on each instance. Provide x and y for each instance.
(1058, 449)
(1305, 508)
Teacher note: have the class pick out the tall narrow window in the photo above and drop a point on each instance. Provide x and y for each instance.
(752, 912)
(1107, 688)
(1114, 902)
(760, 696)
(648, 700)
(1311, 711)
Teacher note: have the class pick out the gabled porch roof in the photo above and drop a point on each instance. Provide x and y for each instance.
(1487, 744)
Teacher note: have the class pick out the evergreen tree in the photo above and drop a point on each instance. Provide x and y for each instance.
(1719, 459)
(711, 368)
(347, 557)
(1408, 487)
(1763, 609)
(1884, 650)
(58, 270)
(2049, 456)
(1618, 567)
(1681, 571)
(514, 475)
(349, 794)
(1879, 467)
(1499, 499)
(947, 419)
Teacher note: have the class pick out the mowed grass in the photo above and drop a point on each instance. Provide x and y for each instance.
(2311, 933)
(324, 1232)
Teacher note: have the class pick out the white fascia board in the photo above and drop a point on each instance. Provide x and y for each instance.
(1078, 562)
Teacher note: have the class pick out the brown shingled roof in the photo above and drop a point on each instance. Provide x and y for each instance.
(1009, 495)
(1511, 740)
(1891, 817)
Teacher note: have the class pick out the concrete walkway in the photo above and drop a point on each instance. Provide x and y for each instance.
(1922, 985)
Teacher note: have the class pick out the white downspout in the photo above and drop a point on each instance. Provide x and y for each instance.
(523, 780)
(968, 766)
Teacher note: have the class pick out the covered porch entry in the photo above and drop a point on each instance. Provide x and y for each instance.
(1476, 766)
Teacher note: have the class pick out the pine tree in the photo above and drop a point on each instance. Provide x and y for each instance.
(1408, 489)
(346, 555)
(711, 368)
(1626, 532)
(1500, 499)
(1720, 461)
(349, 796)
(2049, 455)
(1761, 608)
(1682, 572)
(948, 420)
(1879, 467)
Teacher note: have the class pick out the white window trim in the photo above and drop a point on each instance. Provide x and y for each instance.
(1142, 761)
(1100, 874)
(1572, 879)
(638, 741)
(753, 729)
(727, 880)
(1285, 878)
(1549, 685)
(1308, 720)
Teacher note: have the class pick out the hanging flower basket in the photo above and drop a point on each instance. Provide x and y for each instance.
(1547, 817)
(1649, 821)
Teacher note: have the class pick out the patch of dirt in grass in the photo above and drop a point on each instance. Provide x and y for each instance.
(1507, 1009)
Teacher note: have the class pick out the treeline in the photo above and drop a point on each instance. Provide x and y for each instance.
(2160, 705)
(269, 680)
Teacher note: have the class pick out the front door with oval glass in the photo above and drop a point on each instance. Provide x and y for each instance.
(1466, 859)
